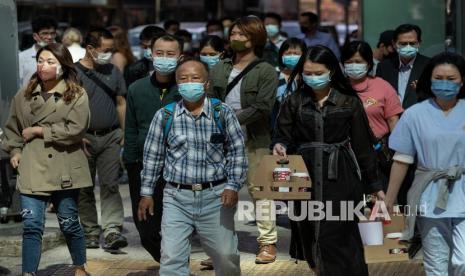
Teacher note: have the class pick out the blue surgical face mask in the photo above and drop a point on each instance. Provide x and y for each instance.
(356, 71)
(210, 60)
(290, 61)
(445, 89)
(407, 51)
(317, 82)
(191, 91)
(165, 65)
(272, 30)
(148, 54)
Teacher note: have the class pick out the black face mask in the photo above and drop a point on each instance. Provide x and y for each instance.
(304, 29)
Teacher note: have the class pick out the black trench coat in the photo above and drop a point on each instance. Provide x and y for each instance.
(336, 146)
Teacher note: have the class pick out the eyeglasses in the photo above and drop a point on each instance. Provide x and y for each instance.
(51, 34)
(407, 43)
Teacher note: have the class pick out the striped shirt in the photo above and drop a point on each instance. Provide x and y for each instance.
(191, 155)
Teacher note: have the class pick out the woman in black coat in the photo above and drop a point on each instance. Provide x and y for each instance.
(324, 121)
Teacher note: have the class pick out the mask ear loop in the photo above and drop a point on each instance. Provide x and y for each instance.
(59, 72)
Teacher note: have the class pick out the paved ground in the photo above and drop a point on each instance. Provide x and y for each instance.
(134, 261)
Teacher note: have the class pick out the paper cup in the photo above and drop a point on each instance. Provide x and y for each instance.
(371, 232)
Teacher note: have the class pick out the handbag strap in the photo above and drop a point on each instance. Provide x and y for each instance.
(110, 92)
(236, 80)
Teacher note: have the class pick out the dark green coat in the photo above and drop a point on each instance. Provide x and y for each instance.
(144, 98)
(258, 93)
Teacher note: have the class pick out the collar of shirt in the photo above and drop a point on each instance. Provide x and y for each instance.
(164, 85)
(60, 88)
(332, 98)
(405, 67)
(280, 39)
(206, 110)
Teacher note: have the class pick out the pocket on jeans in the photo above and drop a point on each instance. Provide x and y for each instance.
(170, 192)
(218, 190)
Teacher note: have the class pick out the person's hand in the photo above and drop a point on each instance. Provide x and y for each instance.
(280, 150)
(229, 198)
(389, 203)
(14, 161)
(85, 143)
(380, 195)
(30, 133)
(413, 84)
(145, 206)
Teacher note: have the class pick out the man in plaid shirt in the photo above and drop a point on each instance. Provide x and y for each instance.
(204, 166)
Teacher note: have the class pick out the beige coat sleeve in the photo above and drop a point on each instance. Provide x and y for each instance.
(72, 129)
(13, 142)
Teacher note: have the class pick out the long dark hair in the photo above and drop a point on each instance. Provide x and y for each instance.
(122, 45)
(323, 55)
(424, 82)
(63, 56)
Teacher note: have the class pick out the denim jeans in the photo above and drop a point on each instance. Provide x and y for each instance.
(185, 211)
(443, 241)
(33, 213)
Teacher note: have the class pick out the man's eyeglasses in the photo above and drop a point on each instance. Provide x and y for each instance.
(44, 34)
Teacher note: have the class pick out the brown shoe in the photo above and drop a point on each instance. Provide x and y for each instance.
(207, 263)
(266, 254)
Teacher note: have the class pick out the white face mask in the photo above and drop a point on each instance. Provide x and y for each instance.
(102, 58)
(42, 43)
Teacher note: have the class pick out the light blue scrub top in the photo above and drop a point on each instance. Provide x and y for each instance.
(438, 141)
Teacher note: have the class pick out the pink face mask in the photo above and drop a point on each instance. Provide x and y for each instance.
(50, 72)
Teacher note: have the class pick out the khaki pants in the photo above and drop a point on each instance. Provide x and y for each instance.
(267, 227)
(104, 160)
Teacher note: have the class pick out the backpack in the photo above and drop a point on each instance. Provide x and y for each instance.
(168, 111)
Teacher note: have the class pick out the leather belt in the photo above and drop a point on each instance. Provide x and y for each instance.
(199, 186)
(102, 132)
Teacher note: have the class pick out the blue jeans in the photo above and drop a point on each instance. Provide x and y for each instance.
(185, 211)
(33, 213)
(443, 241)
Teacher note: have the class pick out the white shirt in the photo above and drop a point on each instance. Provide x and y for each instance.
(27, 65)
(77, 52)
(404, 76)
(234, 97)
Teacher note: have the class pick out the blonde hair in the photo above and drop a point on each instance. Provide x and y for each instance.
(71, 36)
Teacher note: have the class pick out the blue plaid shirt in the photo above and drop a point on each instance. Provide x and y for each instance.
(190, 155)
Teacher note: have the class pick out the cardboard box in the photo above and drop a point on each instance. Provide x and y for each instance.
(382, 253)
(263, 179)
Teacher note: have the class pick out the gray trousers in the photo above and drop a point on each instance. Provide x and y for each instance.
(105, 161)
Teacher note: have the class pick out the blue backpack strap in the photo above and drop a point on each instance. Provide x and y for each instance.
(168, 112)
(217, 114)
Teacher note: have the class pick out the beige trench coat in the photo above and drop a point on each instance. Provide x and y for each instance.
(56, 161)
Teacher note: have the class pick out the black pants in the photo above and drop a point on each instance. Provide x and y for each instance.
(149, 230)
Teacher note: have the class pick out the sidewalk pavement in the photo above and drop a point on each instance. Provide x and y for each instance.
(135, 261)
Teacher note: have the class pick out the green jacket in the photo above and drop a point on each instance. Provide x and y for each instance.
(258, 93)
(144, 98)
